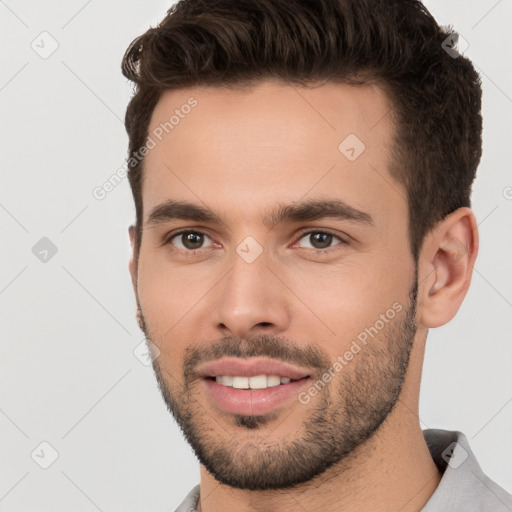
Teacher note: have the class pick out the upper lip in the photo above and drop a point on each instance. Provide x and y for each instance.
(250, 368)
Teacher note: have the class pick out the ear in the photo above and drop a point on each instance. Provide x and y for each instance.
(132, 265)
(446, 266)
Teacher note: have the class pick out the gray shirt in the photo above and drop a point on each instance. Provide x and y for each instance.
(463, 486)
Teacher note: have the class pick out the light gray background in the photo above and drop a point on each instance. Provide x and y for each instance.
(68, 373)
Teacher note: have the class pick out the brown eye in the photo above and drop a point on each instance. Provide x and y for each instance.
(320, 240)
(189, 240)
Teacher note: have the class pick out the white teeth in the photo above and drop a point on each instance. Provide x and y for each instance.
(273, 380)
(241, 382)
(256, 382)
(227, 380)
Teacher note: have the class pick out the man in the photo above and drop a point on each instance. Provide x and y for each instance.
(302, 172)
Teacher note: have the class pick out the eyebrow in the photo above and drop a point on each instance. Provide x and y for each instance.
(296, 212)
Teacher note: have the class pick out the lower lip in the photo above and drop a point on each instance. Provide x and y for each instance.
(253, 401)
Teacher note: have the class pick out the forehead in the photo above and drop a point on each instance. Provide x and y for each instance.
(272, 141)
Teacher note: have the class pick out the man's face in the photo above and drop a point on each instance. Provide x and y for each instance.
(304, 259)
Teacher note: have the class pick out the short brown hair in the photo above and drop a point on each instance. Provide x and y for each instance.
(436, 94)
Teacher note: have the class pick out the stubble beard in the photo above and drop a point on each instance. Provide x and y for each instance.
(343, 416)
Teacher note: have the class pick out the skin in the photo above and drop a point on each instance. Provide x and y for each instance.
(242, 153)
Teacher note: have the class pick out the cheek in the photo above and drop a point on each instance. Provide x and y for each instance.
(169, 293)
(346, 299)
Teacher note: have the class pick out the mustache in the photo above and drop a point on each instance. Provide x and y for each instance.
(273, 347)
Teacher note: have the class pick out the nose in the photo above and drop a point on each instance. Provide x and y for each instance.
(251, 300)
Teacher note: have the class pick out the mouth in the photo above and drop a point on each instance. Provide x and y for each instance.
(240, 398)
(253, 382)
(252, 386)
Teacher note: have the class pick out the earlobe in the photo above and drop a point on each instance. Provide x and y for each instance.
(131, 264)
(449, 254)
(132, 267)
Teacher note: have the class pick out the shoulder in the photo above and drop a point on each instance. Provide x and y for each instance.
(189, 504)
(463, 486)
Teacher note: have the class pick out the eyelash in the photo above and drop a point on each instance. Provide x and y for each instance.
(192, 252)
